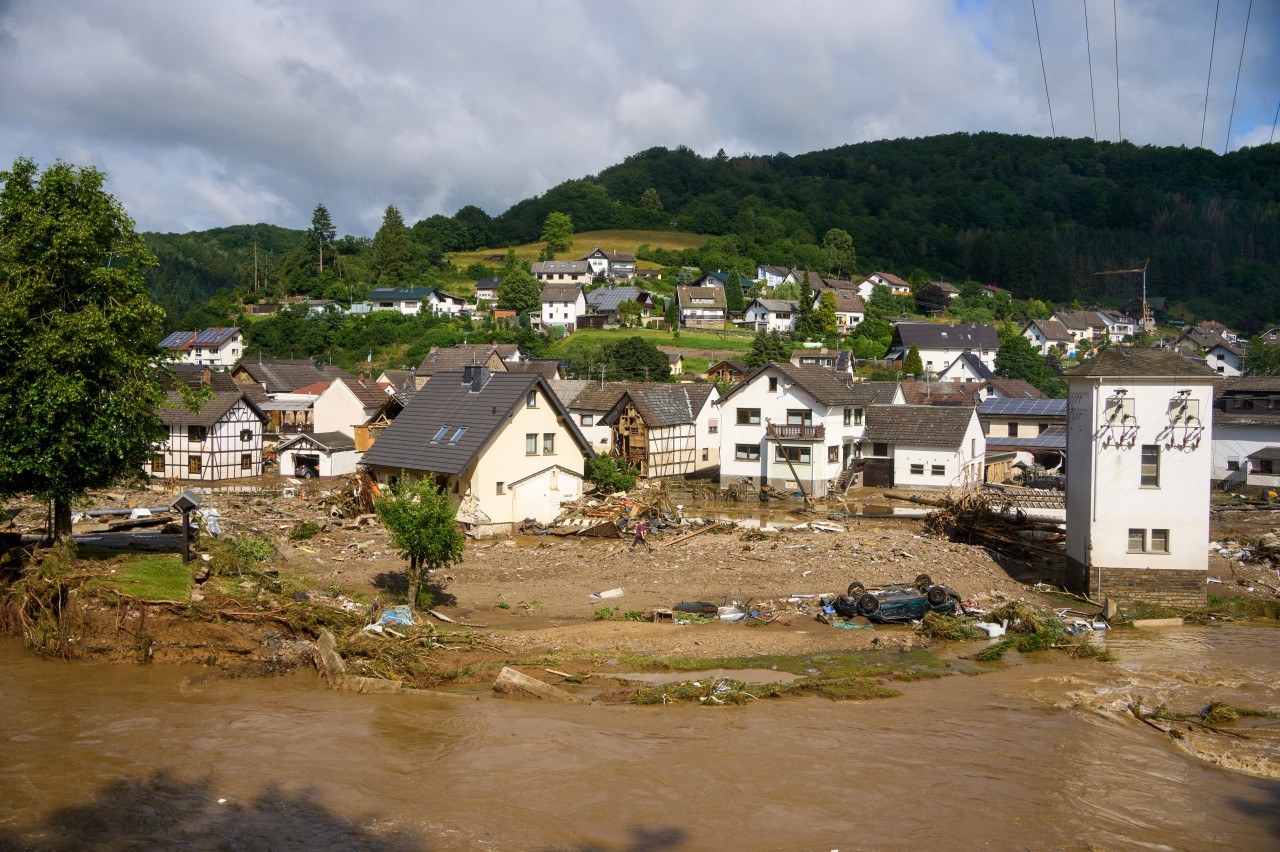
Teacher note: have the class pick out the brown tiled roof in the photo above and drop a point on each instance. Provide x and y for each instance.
(686, 296)
(370, 393)
(918, 425)
(1052, 329)
(940, 393)
(453, 360)
(547, 368)
(561, 292)
(662, 404)
(1016, 388)
(285, 375)
(1140, 362)
(825, 385)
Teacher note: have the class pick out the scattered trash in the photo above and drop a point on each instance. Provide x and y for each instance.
(610, 593)
(397, 615)
(992, 630)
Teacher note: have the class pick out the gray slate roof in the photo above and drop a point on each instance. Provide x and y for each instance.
(918, 425)
(979, 369)
(560, 267)
(929, 335)
(568, 390)
(226, 393)
(1266, 453)
(458, 357)
(662, 404)
(825, 385)
(1140, 362)
(561, 292)
(778, 306)
(334, 442)
(445, 401)
(285, 375)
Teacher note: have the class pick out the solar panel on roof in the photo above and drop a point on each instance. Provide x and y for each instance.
(1023, 407)
(176, 339)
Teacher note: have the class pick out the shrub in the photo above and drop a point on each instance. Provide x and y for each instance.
(609, 475)
(304, 530)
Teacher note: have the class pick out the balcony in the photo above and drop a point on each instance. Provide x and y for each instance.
(796, 433)
(295, 429)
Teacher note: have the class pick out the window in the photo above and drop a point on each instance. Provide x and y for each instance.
(938, 470)
(799, 417)
(549, 444)
(246, 461)
(1042, 428)
(796, 455)
(1013, 429)
(444, 430)
(748, 416)
(1233, 464)
(857, 417)
(196, 434)
(706, 454)
(746, 452)
(713, 425)
(531, 401)
(587, 419)
(157, 463)
(457, 436)
(879, 449)
(1159, 541)
(1266, 466)
(1150, 465)
(848, 417)
(499, 490)
(1137, 540)
(773, 384)
(917, 469)
(193, 464)
(246, 435)
(531, 444)
(833, 454)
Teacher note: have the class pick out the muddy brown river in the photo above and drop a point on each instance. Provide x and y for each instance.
(1036, 754)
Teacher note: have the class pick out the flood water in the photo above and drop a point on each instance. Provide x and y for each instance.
(1037, 754)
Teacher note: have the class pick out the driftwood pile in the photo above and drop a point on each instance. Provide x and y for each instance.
(971, 518)
(605, 516)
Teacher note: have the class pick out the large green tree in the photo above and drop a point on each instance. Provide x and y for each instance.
(637, 359)
(912, 365)
(1261, 358)
(321, 237)
(81, 388)
(391, 249)
(838, 248)
(519, 291)
(422, 524)
(1018, 359)
(767, 346)
(557, 231)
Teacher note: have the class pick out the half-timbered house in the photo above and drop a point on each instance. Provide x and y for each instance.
(223, 440)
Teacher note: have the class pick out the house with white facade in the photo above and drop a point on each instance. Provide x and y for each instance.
(617, 265)
(1139, 461)
(850, 310)
(487, 291)
(771, 315)
(1119, 325)
(923, 446)
(447, 304)
(501, 443)
(774, 276)
(896, 285)
(702, 307)
(1246, 421)
(317, 454)
(406, 300)
(1048, 335)
(942, 343)
(562, 306)
(562, 272)
(665, 429)
(213, 347)
(1224, 358)
(1084, 325)
(457, 358)
(221, 441)
(796, 428)
(967, 367)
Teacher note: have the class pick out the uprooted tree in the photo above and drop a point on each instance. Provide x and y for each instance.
(420, 519)
(81, 390)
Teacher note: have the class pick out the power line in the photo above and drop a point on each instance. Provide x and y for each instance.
(1045, 73)
(1089, 48)
(1273, 124)
(1243, 40)
(1115, 23)
(1212, 44)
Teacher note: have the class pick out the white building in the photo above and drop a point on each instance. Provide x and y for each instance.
(213, 347)
(562, 304)
(1246, 421)
(796, 427)
(924, 446)
(942, 343)
(1046, 335)
(221, 441)
(1139, 461)
(317, 454)
(562, 272)
(896, 285)
(405, 300)
(771, 315)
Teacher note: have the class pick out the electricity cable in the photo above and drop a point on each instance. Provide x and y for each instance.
(1273, 124)
(1212, 44)
(1115, 23)
(1089, 49)
(1243, 40)
(1053, 130)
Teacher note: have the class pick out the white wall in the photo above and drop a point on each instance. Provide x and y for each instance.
(331, 464)
(564, 313)
(960, 465)
(338, 410)
(1105, 495)
(1237, 443)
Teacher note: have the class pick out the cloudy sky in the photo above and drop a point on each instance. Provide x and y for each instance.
(209, 114)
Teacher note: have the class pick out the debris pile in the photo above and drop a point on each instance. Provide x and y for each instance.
(972, 518)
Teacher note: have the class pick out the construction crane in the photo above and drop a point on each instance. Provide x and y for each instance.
(1148, 324)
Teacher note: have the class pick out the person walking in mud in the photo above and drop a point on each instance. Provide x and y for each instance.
(642, 536)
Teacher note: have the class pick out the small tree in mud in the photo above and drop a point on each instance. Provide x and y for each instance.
(421, 522)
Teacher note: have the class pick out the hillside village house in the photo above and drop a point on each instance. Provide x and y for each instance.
(1246, 422)
(605, 300)
(942, 343)
(796, 427)
(727, 371)
(1083, 325)
(896, 285)
(562, 306)
(222, 441)
(702, 307)
(359, 408)
(1138, 466)
(665, 429)
(774, 276)
(1050, 334)
(455, 359)
(502, 443)
(214, 347)
(286, 390)
(588, 402)
(1033, 430)
(967, 367)
(771, 315)
(850, 310)
(923, 447)
(487, 291)
(1222, 349)
(412, 301)
(611, 264)
(562, 272)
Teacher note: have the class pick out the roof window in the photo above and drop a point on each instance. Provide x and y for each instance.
(444, 430)
(458, 435)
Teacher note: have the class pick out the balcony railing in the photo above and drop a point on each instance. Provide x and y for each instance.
(295, 429)
(796, 433)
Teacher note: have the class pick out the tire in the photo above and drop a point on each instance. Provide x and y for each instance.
(845, 606)
(923, 581)
(856, 590)
(868, 604)
(936, 595)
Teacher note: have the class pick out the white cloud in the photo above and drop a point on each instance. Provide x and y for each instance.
(214, 114)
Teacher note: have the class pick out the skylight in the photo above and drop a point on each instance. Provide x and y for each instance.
(458, 435)
(444, 430)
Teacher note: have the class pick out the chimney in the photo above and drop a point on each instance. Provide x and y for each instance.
(477, 377)
(206, 377)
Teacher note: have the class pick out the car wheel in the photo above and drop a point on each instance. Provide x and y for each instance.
(856, 589)
(868, 604)
(936, 595)
(846, 606)
(923, 582)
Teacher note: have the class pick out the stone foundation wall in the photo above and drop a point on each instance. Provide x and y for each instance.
(1168, 586)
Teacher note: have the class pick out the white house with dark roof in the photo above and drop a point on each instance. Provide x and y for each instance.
(774, 276)
(487, 291)
(605, 300)
(1046, 335)
(501, 443)
(702, 306)
(796, 427)
(850, 310)
(405, 300)
(923, 446)
(967, 367)
(214, 347)
(1139, 460)
(317, 454)
(562, 272)
(562, 305)
(221, 441)
(1246, 420)
(771, 315)
(664, 429)
(896, 285)
(942, 343)
(611, 264)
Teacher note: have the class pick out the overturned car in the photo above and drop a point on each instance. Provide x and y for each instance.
(898, 603)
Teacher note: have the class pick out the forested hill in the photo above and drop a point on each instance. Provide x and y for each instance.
(1036, 216)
